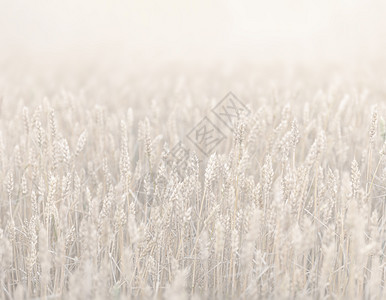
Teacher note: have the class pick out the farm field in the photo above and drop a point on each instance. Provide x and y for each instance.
(181, 189)
(199, 149)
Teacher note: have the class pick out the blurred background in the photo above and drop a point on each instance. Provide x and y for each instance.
(214, 31)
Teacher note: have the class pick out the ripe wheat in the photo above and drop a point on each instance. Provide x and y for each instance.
(290, 205)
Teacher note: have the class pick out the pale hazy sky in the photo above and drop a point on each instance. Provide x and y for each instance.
(188, 30)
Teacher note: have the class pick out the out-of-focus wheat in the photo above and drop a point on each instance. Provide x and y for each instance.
(291, 205)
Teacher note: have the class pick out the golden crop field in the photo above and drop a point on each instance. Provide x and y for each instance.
(246, 163)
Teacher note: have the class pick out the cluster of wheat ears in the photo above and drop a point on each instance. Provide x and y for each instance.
(291, 205)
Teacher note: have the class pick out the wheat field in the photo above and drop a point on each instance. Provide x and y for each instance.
(290, 204)
(192, 149)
